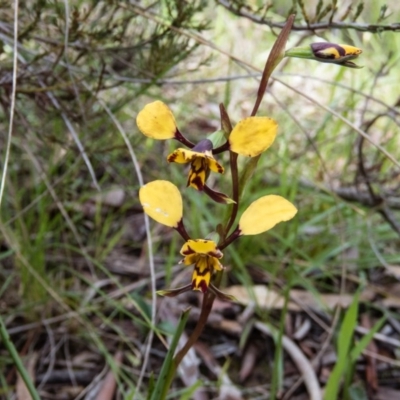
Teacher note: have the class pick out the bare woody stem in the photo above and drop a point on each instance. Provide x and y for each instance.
(373, 28)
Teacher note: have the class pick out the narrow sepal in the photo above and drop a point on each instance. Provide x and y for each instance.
(174, 292)
(220, 294)
(217, 196)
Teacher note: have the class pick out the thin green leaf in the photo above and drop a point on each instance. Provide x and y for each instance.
(363, 343)
(8, 344)
(161, 389)
(343, 343)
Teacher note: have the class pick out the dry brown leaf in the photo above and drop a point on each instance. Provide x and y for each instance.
(260, 294)
(112, 198)
(267, 298)
(248, 362)
(387, 394)
(327, 301)
(109, 385)
(393, 298)
(302, 363)
(21, 389)
(393, 270)
(227, 390)
(371, 373)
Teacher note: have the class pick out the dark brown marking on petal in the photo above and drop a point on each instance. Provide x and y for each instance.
(217, 254)
(203, 286)
(188, 251)
(172, 157)
(320, 48)
(205, 272)
(198, 182)
(199, 166)
(340, 49)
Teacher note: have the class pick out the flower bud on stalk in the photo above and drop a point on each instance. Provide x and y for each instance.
(332, 53)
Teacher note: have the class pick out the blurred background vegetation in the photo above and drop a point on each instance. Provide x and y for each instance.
(74, 276)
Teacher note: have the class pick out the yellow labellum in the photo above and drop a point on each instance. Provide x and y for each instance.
(264, 213)
(162, 201)
(157, 121)
(253, 135)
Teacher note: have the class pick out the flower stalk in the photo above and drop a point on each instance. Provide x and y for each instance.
(250, 137)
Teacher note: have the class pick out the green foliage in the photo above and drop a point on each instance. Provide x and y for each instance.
(67, 253)
(344, 346)
(163, 382)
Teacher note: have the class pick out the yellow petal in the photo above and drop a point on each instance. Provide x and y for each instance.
(182, 156)
(201, 246)
(162, 201)
(201, 275)
(190, 259)
(157, 121)
(197, 174)
(333, 51)
(264, 213)
(253, 135)
(214, 165)
(350, 50)
(215, 264)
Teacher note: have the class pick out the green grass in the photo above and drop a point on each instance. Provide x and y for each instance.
(58, 240)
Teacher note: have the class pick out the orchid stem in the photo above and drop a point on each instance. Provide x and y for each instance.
(206, 307)
(208, 300)
(235, 191)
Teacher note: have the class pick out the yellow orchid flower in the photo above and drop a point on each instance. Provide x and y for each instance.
(335, 52)
(205, 256)
(162, 201)
(326, 52)
(201, 160)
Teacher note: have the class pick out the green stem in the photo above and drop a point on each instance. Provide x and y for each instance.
(235, 191)
(17, 361)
